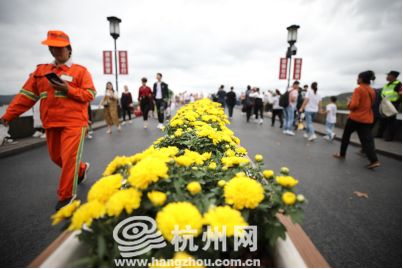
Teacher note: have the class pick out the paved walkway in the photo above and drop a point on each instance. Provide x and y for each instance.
(349, 231)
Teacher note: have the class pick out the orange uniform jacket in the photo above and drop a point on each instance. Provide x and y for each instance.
(58, 109)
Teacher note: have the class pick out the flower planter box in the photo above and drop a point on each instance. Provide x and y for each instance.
(195, 176)
(297, 250)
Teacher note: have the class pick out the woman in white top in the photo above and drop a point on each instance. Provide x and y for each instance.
(258, 105)
(311, 105)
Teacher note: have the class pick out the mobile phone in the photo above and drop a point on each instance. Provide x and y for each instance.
(53, 77)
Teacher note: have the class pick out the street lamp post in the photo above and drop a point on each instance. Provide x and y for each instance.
(292, 49)
(115, 33)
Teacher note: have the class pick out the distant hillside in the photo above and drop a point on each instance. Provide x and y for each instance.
(341, 100)
(340, 97)
(6, 99)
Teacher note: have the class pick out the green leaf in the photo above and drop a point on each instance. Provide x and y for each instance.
(297, 216)
(101, 248)
(275, 231)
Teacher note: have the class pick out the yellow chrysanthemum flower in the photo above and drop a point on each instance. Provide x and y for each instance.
(177, 122)
(241, 150)
(127, 199)
(157, 198)
(258, 157)
(289, 198)
(286, 181)
(243, 192)
(268, 173)
(65, 212)
(194, 187)
(147, 171)
(104, 188)
(192, 157)
(223, 220)
(212, 166)
(184, 160)
(86, 213)
(229, 153)
(234, 161)
(180, 215)
(119, 161)
(221, 183)
(178, 132)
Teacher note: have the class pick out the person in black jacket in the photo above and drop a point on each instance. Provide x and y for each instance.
(160, 95)
(231, 101)
(221, 95)
(127, 103)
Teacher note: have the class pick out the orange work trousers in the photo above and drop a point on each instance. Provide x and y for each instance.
(65, 147)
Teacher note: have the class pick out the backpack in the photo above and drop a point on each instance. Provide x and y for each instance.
(300, 100)
(284, 99)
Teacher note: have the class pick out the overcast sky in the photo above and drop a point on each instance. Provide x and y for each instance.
(198, 45)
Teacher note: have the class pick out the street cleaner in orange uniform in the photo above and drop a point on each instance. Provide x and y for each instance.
(63, 109)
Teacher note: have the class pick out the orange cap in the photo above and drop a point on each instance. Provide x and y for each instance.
(56, 39)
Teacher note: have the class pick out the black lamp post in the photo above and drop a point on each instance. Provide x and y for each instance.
(292, 49)
(115, 33)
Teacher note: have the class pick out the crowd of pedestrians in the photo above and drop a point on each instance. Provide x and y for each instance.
(297, 107)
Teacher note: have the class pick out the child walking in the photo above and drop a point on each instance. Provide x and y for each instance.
(331, 111)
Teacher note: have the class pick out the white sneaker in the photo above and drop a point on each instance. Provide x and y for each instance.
(326, 137)
(290, 133)
(43, 136)
(130, 121)
(109, 131)
(123, 123)
(306, 135)
(312, 137)
(261, 121)
(120, 128)
(37, 134)
(89, 136)
(332, 136)
(160, 126)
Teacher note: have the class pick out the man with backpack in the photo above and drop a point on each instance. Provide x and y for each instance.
(289, 102)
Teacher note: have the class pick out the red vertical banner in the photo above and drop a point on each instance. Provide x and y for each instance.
(297, 68)
(107, 59)
(283, 68)
(123, 64)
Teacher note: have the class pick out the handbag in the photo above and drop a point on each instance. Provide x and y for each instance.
(386, 108)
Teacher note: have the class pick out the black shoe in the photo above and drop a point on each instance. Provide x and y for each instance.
(84, 176)
(62, 203)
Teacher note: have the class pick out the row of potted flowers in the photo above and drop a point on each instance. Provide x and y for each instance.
(195, 178)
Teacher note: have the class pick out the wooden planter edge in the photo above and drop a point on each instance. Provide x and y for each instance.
(301, 252)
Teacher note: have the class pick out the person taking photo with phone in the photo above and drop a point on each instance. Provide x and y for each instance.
(64, 90)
